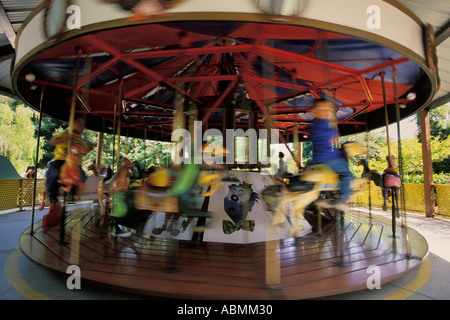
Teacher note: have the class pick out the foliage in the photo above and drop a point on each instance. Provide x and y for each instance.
(438, 178)
(371, 140)
(147, 153)
(49, 127)
(19, 126)
(411, 156)
(441, 178)
(439, 122)
(18, 140)
(442, 166)
(16, 128)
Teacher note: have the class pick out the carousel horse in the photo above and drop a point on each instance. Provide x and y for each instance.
(121, 191)
(118, 182)
(371, 174)
(182, 198)
(352, 149)
(391, 182)
(311, 183)
(300, 193)
(160, 194)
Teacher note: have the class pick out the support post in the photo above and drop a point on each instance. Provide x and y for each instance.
(273, 270)
(300, 154)
(99, 157)
(427, 163)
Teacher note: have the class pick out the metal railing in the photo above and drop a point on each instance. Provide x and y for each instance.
(414, 198)
(18, 193)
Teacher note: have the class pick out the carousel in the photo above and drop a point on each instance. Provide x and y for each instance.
(218, 224)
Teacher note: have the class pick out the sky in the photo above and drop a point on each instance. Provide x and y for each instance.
(408, 129)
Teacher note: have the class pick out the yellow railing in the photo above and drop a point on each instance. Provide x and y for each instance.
(414, 196)
(18, 193)
(443, 199)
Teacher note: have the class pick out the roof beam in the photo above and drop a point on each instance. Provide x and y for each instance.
(438, 102)
(266, 51)
(7, 26)
(443, 33)
(154, 76)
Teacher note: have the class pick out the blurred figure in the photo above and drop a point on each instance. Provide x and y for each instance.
(61, 143)
(323, 134)
(391, 182)
(44, 192)
(282, 167)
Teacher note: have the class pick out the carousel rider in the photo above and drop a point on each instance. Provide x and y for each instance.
(323, 134)
(61, 143)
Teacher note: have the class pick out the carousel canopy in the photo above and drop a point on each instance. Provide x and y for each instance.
(144, 68)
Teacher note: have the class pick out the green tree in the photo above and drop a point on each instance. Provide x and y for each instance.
(6, 120)
(441, 155)
(49, 127)
(375, 142)
(440, 133)
(17, 141)
(439, 122)
(147, 153)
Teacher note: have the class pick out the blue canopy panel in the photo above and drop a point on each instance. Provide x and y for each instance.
(215, 64)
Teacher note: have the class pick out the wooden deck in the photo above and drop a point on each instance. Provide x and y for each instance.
(313, 266)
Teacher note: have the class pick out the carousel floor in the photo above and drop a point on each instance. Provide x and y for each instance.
(313, 266)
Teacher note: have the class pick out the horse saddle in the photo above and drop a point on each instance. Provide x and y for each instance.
(320, 173)
(391, 180)
(156, 199)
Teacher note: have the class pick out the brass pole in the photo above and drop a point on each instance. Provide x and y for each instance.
(37, 160)
(367, 158)
(99, 157)
(114, 136)
(71, 121)
(145, 148)
(386, 116)
(119, 104)
(389, 148)
(400, 166)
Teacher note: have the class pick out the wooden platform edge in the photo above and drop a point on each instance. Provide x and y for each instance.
(33, 249)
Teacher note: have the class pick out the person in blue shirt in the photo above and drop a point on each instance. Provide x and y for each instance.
(323, 136)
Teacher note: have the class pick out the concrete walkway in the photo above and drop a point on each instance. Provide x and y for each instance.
(20, 279)
(431, 281)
